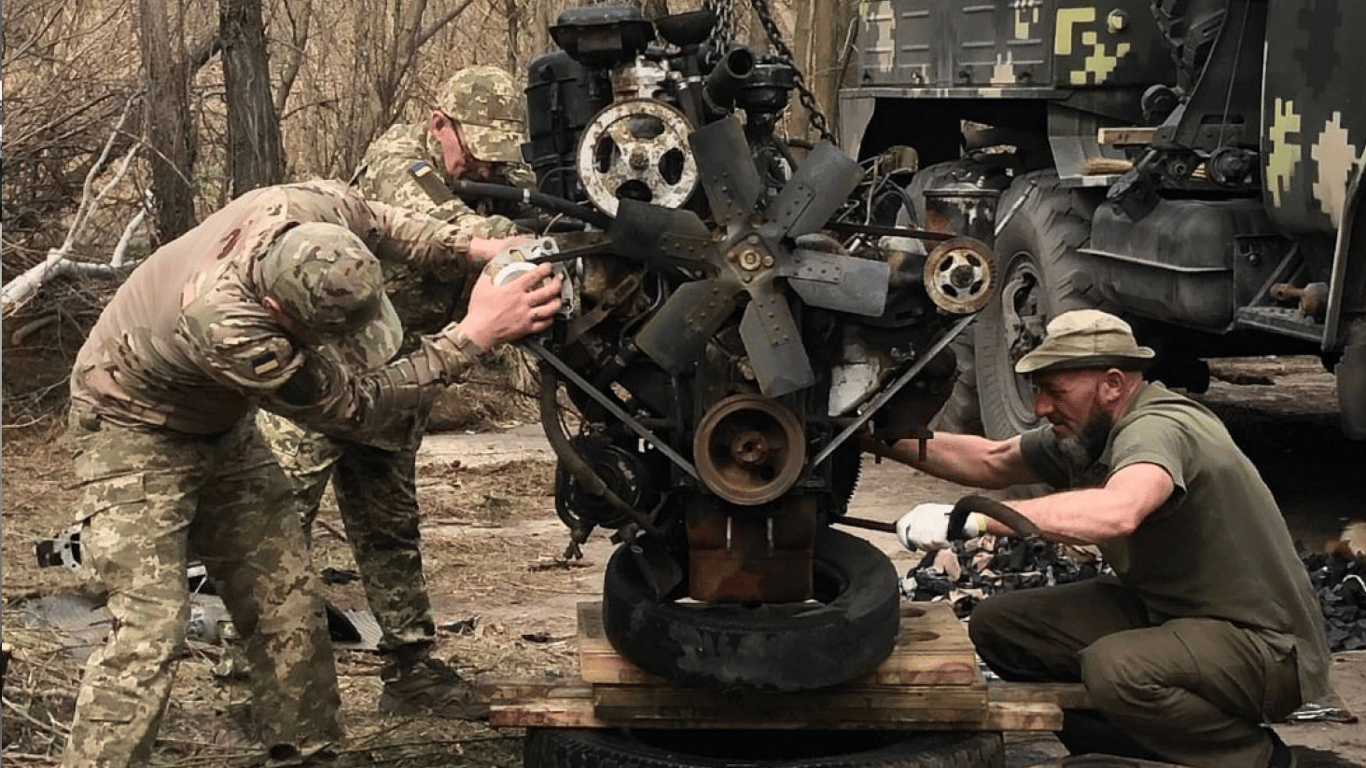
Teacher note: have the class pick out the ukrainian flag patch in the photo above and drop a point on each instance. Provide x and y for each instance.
(265, 363)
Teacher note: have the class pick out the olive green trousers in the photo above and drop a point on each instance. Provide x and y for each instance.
(1190, 691)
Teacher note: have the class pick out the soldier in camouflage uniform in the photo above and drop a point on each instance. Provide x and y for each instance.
(271, 302)
(474, 132)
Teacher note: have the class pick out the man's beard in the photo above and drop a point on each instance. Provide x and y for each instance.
(1085, 448)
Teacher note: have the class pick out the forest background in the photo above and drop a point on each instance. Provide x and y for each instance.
(125, 122)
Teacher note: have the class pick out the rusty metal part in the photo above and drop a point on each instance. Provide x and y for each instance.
(749, 449)
(1312, 298)
(960, 275)
(871, 525)
(751, 558)
(967, 212)
(639, 147)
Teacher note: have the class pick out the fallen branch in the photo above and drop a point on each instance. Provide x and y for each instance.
(17, 292)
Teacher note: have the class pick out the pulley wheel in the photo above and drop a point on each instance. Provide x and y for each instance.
(749, 449)
(960, 275)
(637, 149)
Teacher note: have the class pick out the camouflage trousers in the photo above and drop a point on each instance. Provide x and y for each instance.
(376, 493)
(146, 498)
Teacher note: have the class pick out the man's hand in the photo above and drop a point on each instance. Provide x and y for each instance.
(482, 248)
(926, 526)
(501, 313)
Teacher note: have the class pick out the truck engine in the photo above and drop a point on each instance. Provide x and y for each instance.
(747, 314)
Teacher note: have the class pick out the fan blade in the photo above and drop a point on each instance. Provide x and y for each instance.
(838, 282)
(815, 191)
(678, 333)
(727, 169)
(774, 344)
(663, 236)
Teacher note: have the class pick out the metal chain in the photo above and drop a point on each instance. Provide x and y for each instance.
(808, 99)
(724, 29)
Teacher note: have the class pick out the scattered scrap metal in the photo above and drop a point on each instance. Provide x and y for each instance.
(978, 568)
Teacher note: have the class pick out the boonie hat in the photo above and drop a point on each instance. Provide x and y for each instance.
(1086, 338)
(325, 277)
(491, 112)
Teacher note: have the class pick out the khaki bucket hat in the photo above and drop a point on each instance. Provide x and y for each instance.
(1086, 338)
(325, 277)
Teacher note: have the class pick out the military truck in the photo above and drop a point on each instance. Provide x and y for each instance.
(1193, 165)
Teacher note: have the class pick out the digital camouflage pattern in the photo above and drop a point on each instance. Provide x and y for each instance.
(324, 276)
(491, 111)
(147, 496)
(424, 301)
(377, 498)
(1314, 117)
(167, 458)
(376, 489)
(198, 365)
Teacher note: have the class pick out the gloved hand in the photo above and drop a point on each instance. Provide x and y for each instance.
(926, 526)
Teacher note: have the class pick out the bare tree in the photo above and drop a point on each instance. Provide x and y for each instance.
(166, 124)
(255, 155)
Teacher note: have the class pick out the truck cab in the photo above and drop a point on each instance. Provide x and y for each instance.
(1193, 165)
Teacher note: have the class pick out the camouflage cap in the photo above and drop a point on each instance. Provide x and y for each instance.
(323, 276)
(491, 112)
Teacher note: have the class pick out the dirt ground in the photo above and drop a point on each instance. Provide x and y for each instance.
(505, 598)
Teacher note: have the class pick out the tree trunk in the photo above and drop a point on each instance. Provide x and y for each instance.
(166, 116)
(255, 157)
(820, 54)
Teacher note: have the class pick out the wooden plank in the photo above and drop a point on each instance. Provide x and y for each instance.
(1022, 716)
(1128, 136)
(932, 649)
(887, 705)
(580, 713)
(1064, 695)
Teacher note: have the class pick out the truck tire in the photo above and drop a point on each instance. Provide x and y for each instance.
(629, 748)
(846, 632)
(1040, 277)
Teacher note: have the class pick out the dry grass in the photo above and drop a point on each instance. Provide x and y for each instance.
(480, 563)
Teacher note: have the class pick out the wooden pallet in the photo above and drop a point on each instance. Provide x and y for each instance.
(930, 681)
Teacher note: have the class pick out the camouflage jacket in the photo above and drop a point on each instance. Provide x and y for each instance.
(424, 302)
(186, 345)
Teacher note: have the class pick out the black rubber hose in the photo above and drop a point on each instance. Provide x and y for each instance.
(531, 197)
(993, 509)
(577, 466)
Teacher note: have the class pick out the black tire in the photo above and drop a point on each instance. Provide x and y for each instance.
(1040, 276)
(627, 748)
(847, 632)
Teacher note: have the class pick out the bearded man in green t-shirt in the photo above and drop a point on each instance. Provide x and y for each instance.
(1209, 627)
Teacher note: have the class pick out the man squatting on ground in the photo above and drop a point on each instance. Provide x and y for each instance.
(271, 302)
(1211, 627)
(474, 132)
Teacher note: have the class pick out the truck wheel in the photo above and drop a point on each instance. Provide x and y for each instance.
(631, 748)
(1041, 276)
(846, 631)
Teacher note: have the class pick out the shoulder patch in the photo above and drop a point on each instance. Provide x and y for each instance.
(265, 363)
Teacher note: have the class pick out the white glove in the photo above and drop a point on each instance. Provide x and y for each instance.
(926, 526)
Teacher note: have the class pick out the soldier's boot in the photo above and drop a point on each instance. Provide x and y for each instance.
(429, 687)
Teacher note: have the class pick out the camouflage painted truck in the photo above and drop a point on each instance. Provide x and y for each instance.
(1195, 165)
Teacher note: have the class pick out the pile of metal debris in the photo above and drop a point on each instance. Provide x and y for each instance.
(977, 568)
(1339, 580)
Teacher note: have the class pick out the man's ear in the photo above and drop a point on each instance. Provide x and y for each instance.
(438, 121)
(1113, 384)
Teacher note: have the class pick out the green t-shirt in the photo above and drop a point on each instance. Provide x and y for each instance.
(1218, 548)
